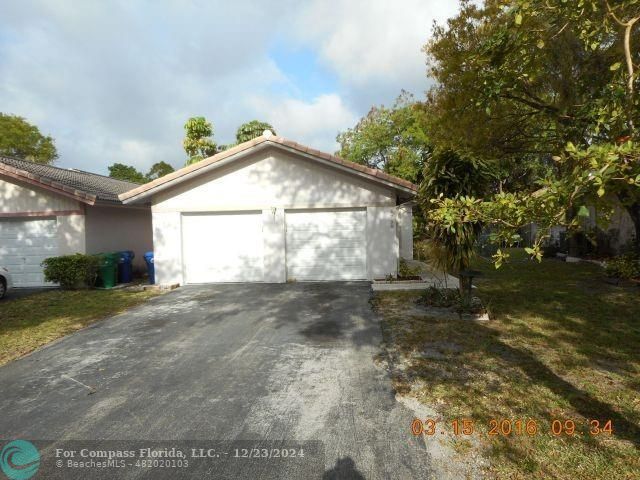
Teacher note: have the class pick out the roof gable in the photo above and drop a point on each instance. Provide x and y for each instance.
(264, 141)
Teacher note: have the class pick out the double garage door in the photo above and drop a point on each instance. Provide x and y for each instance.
(230, 247)
(24, 244)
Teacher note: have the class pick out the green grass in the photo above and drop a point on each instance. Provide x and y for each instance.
(562, 344)
(30, 322)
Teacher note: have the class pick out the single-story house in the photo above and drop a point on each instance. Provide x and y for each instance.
(272, 210)
(47, 211)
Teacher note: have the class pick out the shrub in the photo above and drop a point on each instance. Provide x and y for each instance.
(451, 298)
(440, 297)
(406, 270)
(71, 271)
(624, 266)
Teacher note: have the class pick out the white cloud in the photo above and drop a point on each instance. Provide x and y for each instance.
(373, 42)
(115, 81)
(315, 123)
(103, 76)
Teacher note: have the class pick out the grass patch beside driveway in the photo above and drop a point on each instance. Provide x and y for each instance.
(563, 345)
(30, 322)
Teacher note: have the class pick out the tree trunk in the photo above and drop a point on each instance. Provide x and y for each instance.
(634, 212)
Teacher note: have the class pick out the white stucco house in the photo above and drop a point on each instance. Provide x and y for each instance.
(272, 210)
(47, 211)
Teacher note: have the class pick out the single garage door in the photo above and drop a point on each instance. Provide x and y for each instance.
(24, 244)
(326, 244)
(222, 247)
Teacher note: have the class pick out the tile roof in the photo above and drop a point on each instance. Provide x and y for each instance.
(375, 174)
(87, 187)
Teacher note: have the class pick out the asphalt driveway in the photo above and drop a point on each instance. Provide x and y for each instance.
(252, 362)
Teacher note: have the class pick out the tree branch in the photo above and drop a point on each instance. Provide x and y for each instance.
(628, 26)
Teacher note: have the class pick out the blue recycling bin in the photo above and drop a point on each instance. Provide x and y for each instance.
(148, 257)
(125, 266)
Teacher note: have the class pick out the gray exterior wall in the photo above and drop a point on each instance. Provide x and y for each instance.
(110, 229)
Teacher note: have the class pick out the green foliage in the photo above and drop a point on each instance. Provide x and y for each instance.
(159, 169)
(517, 80)
(520, 81)
(450, 298)
(449, 173)
(451, 182)
(253, 129)
(71, 271)
(20, 139)
(198, 141)
(624, 266)
(392, 139)
(131, 174)
(440, 297)
(406, 270)
(593, 172)
(126, 173)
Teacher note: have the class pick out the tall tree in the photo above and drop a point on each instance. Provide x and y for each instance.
(20, 139)
(159, 169)
(198, 141)
(250, 130)
(126, 173)
(519, 80)
(391, 139)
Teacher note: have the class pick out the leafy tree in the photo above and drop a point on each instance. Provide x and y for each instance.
(198, 141)
(126, 173)
(451, 174)
(391, 139)
(159, 169)
(20, 139)
(253, 129)
(518, 81)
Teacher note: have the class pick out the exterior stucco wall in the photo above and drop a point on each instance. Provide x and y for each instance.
(71, 234)
(405, 231)
(381, 239)
(16, 198)
(21, 201)
(167, 247)
(112, 229)
(272, 181)
(272, 178)
(622, 226)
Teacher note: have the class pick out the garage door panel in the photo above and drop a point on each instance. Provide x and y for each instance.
(223, 247)
(324, 273)
(326, 245)
(308, 254)
(328, 238)
(24, 244)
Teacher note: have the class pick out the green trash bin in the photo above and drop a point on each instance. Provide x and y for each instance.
(107, 270)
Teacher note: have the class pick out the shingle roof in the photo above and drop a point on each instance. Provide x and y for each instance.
(88, 187)
(178, 175)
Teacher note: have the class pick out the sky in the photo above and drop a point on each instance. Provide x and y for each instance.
(115, 81)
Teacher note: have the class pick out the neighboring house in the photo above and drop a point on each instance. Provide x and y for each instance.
(272, 210)
(47, 211)
(599, 234)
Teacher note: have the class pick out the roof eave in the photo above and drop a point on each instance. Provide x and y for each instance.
(50, 185)
(127, 198)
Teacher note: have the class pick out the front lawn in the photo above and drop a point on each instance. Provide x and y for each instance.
(30, 322)
(562, 345)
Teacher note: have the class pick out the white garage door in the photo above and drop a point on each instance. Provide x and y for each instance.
(24, 244)
(326, 245)
(222, 247)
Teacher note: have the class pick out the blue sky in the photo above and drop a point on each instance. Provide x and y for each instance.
(115, 81)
